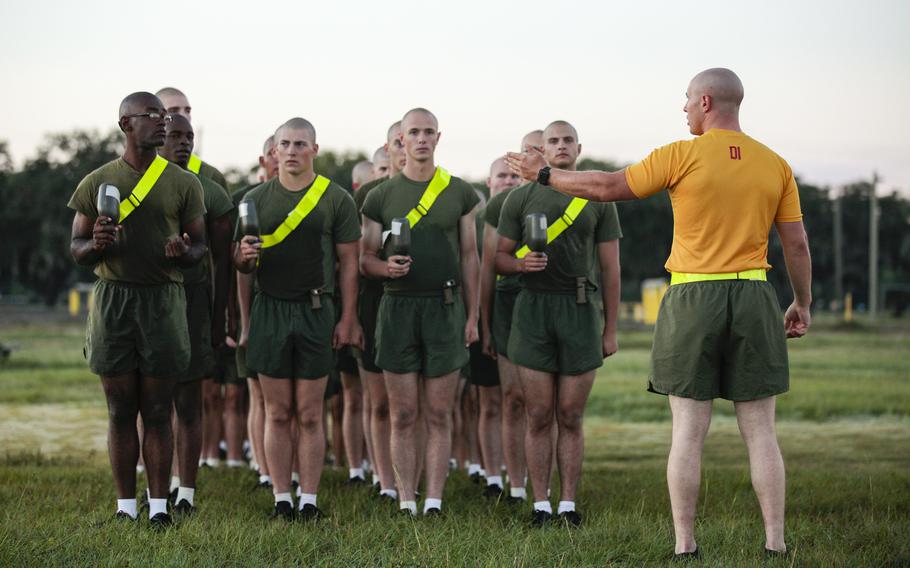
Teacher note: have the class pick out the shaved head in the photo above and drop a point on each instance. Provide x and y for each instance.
(559, 124)
(361, 174)
(169, 92)
(380, 154)
(393, 131)
(138, 102)
(179, 122)
(533, 138)
(722, 85)
(268, 145)
(298, 123)
(419, 111)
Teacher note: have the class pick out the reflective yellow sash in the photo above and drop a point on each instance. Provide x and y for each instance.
(142, 189)
(559, 225)
(439, 182)
(194, 164)
(306, 205)
(687, 277)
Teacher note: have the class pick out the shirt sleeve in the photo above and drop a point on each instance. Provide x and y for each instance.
(788, 210)
(345, 227)
(372, 205)
(218, 202)
(492, 211)
(656, 172)
(510, 218)
(83, 199)
(470, 198)
(608, 228)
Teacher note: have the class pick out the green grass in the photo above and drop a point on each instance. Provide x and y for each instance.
(844, 430)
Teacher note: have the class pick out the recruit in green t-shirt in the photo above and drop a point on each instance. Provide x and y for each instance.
(572, 254)
(209, 171)
(491, 214)
(217, 203)
(305, 259)
(174, 201)
(361, 194)
(435, 243)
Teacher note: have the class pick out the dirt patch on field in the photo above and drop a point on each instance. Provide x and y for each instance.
(54, 429)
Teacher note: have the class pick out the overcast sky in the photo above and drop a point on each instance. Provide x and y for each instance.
(827, 82)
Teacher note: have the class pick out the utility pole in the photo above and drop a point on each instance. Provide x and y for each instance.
(838, 250)
(873, 248)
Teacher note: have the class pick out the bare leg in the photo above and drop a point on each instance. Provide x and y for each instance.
(440, 399)
(513, 422)
(404, 398)
(257, 425)
(212, 409)
(460, 450)
(310, 395)
(366, 419)
(352, 423)
(337, 408)
(489, 428)
(188, 404)
(380, 428)
(539, 389)
(691, 420)
(122, 394)
(234, 396)
(570, 449)
(756, 424)
(155, 402)
(279, 408)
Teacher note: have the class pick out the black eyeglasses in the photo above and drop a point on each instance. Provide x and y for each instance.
(150, 115)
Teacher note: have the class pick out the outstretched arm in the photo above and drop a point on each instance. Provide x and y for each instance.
(592, 185)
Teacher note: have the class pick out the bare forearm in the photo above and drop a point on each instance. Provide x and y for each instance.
(84, 253)
(592, 185)
(506, 263)
(611, 291)
(244, 292)
(487, 288)
(348, 282)
(470, 270)
(799, 267)
(373, 267)
(192, 256)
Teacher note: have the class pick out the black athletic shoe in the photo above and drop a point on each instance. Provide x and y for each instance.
(570, 518)
(386, 498)
(477, 477)
(183, 507)
(512, 501)
(161, 521)
(294, 486)
(172, 496)
(283, 511)
(432, 512)
(124, 516)
(687, 556)
(356, 482)
(492, 491)
(540, 518)
(309, 513)
(775, 553)
(406, 513)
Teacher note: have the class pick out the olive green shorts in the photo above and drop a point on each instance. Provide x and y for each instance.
(226, 367)
(290, 340)
(554, 334)
(367, 311)
(421, 334)
(720, 339)
(242, 369)
(199, 324)
(142, 328)
(501, 322)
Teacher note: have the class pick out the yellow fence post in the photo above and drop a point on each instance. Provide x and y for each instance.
(74, 302)
(848, 307)
(652, 292)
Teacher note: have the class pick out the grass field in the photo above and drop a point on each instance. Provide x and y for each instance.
(844, 430)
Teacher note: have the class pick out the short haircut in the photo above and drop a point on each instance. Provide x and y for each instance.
(564, 124)
(362, 172)
(395, 125)
(169, 92)
(420, 110)
(298, 123)
(380, 153)
(137, 102)
(268, 145)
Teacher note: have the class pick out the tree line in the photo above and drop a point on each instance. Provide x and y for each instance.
(35, 225)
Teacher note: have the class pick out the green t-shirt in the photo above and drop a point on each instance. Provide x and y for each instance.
(435, 243)
(305, 259)
(361, 194)
(217, 203)
(572, 254)
(508, 283)
(207, 170)
(174, 201)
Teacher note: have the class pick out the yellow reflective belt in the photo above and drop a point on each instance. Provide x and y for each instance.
(439, 182)
(194, 164)
(145, 185)
(558, 226)
(307, 203)
(687, 277)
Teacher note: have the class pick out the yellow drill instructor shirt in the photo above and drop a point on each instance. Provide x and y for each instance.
(726, 190)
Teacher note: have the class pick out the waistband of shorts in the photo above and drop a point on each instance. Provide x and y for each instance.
(688, 277)
(418, 293)
(137, 285)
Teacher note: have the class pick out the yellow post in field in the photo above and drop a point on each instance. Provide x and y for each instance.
(74, 302)
(848, 307)
(652, 292)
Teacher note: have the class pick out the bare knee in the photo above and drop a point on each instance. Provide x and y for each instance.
(514, 403)
(279, 415)
(570, 418)
(404, 418)
(491, 410)
(122, 415)
(540, 418)
(381, 410)
(233, 400)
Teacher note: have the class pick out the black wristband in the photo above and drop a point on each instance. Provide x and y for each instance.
(543, 176)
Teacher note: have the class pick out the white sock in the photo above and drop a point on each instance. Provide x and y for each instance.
(409, 505)
(389, 492)
(518, 492)
(431, 504)
(279, 497)
(175, 483)
(202, 462)
(299, 491)
(355, 472)
(543, 506)
(254, 466)
(140, 468)
(494, 480)
(295, 477)
(212, 462)
(128, 506)
(235, 463)
(265, 479)
(157, 506)
(473, 468)
(186, 494)
(366, 465)
(306, 499)
(375, 479)
(565, 507)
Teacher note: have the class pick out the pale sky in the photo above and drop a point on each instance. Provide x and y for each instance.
(827, 82)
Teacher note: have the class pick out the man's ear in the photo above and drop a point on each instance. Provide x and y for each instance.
(438, 136)
(579, 150)
(315, 149)
(706, 103)
(124, 124)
